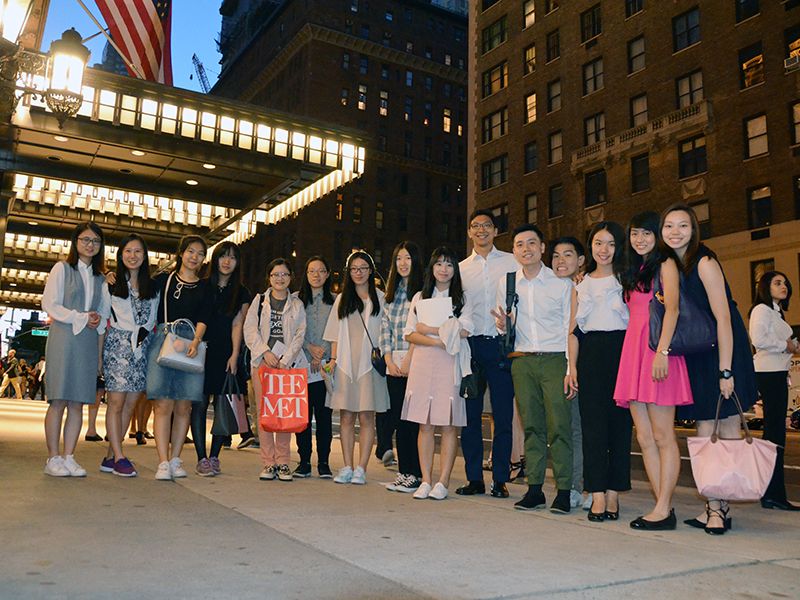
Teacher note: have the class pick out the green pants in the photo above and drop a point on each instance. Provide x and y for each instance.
(546, 416)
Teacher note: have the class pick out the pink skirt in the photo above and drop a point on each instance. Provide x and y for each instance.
(431, 398)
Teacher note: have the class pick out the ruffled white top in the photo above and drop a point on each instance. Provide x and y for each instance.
(600, 305)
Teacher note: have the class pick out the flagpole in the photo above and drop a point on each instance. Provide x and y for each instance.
(110, 41)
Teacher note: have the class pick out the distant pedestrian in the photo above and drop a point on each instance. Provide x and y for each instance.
(12, 375)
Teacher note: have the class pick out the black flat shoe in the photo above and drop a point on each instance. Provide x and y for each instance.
(596, 517)
(140, 441)
(499, 490)
(668, 524)
(472, 488)
(779, 504)
(612, 515)
(93, 438)
(696, 523)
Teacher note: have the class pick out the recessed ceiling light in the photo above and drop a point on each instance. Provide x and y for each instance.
(191, 182)
(60, 138)
(126, 171)
(209, 166)
(20, 260)
(13, 284)
(137, 152)
(34, 223)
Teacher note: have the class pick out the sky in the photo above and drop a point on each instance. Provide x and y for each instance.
(195, 28)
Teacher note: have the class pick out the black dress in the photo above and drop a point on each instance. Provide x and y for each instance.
(220, 344)
(703, 368)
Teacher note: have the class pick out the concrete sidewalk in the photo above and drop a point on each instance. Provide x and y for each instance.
(233, 536)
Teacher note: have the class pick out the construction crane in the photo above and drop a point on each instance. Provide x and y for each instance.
(201, 74)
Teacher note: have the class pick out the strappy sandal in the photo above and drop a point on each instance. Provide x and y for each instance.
(722, 513)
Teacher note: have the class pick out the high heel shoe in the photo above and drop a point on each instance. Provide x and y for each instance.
(722, 513)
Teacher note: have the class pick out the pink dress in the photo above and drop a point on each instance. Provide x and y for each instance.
(635, 379)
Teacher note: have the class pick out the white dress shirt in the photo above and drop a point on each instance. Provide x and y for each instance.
(479, 277)
(769, 332)
(543, 311)
(53, 298)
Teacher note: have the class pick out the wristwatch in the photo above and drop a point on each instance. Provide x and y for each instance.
(725, 374)
(665, 352)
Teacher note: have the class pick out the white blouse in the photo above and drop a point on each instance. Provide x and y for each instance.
(600, 305)
(769, 332)
(465, 319)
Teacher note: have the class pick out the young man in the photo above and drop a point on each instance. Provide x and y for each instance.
(481, 271)
(540, 364)
(567, 257)
(12, 375)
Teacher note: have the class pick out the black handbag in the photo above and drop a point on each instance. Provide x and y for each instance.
(378, 362)
(695, 332)
(474, 385)
(225, 421)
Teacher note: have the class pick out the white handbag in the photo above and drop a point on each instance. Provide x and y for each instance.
(173, 351)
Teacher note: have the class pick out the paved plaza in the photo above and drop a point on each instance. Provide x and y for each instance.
(233, 536)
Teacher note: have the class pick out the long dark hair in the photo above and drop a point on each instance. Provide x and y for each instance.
(99, 259)
(120, 288)
(414, 276)
(693, 253)
(350, 301)
(185, 242)
(456, 289)
(640, 271)
(306, 294)
(235, 280)
(618, 233)
(764, 291)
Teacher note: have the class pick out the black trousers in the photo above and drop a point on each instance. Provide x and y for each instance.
(774, 391)
(323, 416)
(606, 427)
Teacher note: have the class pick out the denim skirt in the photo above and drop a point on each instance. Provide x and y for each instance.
(164, 383)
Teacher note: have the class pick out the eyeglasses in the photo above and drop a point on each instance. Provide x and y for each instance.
(318, 272)
(485, 225)
(88, 241)
(280, 275)
(359, 270)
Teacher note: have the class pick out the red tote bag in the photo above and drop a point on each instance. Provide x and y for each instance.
(284, 400)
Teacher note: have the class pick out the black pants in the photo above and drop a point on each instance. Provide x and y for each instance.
(323, 416)
(606, 427)
(198, 423)
(774, 391)
(390, 421)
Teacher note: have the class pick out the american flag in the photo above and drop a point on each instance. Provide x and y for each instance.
(141, 29)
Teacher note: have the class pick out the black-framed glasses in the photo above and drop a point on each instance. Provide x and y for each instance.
(89, 241)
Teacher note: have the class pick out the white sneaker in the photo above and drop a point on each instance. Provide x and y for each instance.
(55, 466)
(176, 469)
(163, 472)
(423, 491)
(575, 499)
(345, 475)
(75, 470)
(439, 492)
(359, 476)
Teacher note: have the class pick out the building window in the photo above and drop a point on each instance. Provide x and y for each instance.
(530, 108)
(594, 129)
(407, 14)
(389, 15)
(404, 176)
(382, 138)
(529, 65)
(530, 208)
(501, 218)
(593, 76)
(531, 157)
(365, 31)
(553, 45)
(357, 209)
(703, 218)
(633, 7)
(554, 95)
(759, 207)
(459, 35)
(792, 41)
(495, 79)
(591, 25)
(362, 97)
(344, 96)
(796, 182)
(446, 154)
(689, 89)
(448, 59)
(595, 188)
(639, 110)
(692, 156)
(551, 5)
(494, 35)
(529, 11)
(408, 144)
(428, 83)
(755, 133)
(751, 61)
(427, 117)
(363, 65)
(346, 60)
(555, 201)
(354, 5)
(796, 123)
(448, 90)
(640, 173)
(494, 125)
(686, 29)
(495, 172)
(746, 9)
(446, 120)
(385, 72)
(554, 148)
(409, 78)
(409, 47)
(636, 54)
(384, 109)
(428, 149)
(445, 193)
(409, 107)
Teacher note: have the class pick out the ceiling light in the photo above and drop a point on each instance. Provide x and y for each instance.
(34, 223)
(191, 182)
(20, 260)
(54, 158)
(60, 138)
(126, 171)
(137, 152)
(209, 166)
(13, 284)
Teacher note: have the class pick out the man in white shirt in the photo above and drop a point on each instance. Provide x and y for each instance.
(541, 319)
(481, 271)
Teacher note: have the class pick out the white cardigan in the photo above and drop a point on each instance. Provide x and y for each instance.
(769, 332)
(335, 332)
(256, 335)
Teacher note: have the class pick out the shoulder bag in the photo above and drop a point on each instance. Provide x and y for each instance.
(173, 351)
(695, 332)
(378, 362)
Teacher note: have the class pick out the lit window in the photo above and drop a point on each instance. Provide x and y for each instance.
(446, 120)
(495, 79)
(530, 108)
(751, 61)
(409, 107)
(529, 65)
(384, 108)
(362, 97)
(344, 96)
(409, 78)
(529, 11)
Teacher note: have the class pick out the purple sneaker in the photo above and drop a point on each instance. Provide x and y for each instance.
(215, 465)
(204, 468)
(124, 468)
(107, 466)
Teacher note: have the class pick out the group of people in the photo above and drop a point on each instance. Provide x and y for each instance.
(17, 374)
(578, 367)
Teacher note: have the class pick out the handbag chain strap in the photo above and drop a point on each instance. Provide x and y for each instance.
(714, 435)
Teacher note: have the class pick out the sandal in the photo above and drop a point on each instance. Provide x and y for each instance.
(722, 513)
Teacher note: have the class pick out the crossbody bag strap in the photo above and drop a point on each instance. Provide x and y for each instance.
(369, 337)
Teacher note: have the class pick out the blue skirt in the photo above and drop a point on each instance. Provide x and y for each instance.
(164, 383)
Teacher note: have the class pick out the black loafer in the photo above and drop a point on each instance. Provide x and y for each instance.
(499, 490)
(561, 503)
(779, 504)
(472, 488)
(668, 524)
(596, 517)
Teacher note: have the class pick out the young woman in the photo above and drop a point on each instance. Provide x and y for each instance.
(432, 396)
(355, 319)
(274, 330)
(599, 320)
(73, 299)
(405, 280)
(186, 296)
(224, 332)
(727, 367)
(134, 306)
(315, 294)
(652, 383)
(775, 344)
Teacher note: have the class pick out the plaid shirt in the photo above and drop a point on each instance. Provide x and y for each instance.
(394, 320)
